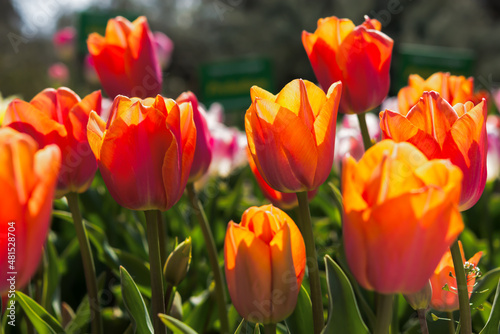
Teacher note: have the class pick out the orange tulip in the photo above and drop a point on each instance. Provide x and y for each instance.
(441, 131)
(145, 151)
(446, 298)
(358, 56)
(60, 117)
(265, 260)
(28, 180)
(291, 136)
(400, 216)
(284, 201)
(125, 58)
(204, 142)
(452, 88)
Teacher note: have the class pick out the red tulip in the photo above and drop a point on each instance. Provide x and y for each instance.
(291, 136)
(27, 180)
(144, 151)
(400, 216)
(358, 56)
(60, 117)
(444, 284)
(265, 260)
(125, 58)
(441, 131)
(204, 142)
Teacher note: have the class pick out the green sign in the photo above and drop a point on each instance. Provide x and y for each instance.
(425, 60)
(229, 82)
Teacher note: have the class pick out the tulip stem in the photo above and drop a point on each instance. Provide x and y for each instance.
(220, 292)
(367, 142)
(312, 262)
(157, 296)
(162, 239)
(451, 324)
(88, 263)
(384, 313)
(462, 289)
(423, 322)
(269, 328)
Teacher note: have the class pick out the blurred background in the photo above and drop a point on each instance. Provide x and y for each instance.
(220, 48)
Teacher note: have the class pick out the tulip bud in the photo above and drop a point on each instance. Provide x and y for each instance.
(177, 264)
(420, 300)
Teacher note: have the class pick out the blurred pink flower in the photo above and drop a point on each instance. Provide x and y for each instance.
(64, 43)
(164, 48)
(493, 156)
(229, 144)
(349, 139)
(58, 74)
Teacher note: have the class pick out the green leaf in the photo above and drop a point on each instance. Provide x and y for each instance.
(491, 326)
(41, 319)
(484, 287)
(344, 316)
(300, 321)
(177, 326)
(51, 277)
(134, 303)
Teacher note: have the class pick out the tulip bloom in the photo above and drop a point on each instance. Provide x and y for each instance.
(291, 136)
(358, 56)
(400, 216)
(144, 151)
(452, 88)
(60, 117)
(441, 131)
(446, 299)
(28, 180)
(125, 58)
(204, 142)
(265, 260)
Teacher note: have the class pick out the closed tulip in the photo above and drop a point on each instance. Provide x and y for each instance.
(291, 136)
(204, 142)
(400, 216)
(452, 88)
(444, 284)
(60, 117)
(125, 58)
(358, 56)
(265, 260)
(28, 180)
(441, 131)
(144, 151)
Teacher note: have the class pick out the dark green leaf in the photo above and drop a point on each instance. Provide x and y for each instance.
(300, 321)
(43, 322)
(492, 326)
(343, 313)
(134, 303)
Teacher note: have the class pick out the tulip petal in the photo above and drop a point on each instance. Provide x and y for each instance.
(248, 264)
(79, 115)
(96, 130)
(364, 58)
(284, 282)
(294, 97)
(25, 118)
(55, 103)
(433, 115)
(257, 92)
